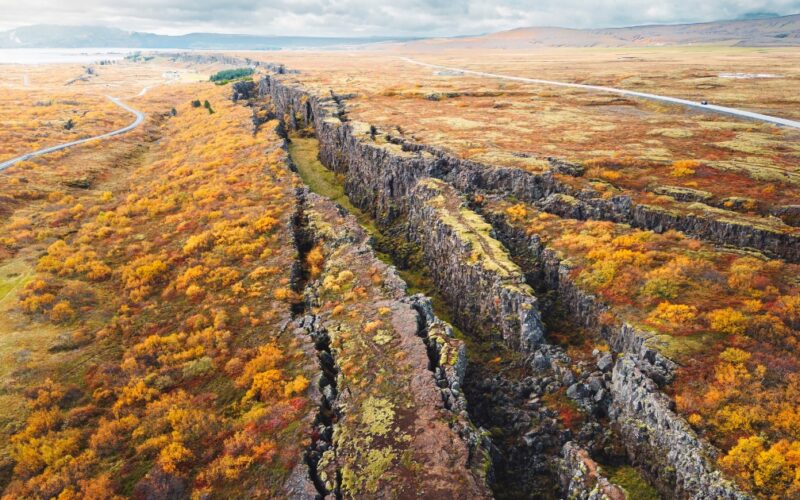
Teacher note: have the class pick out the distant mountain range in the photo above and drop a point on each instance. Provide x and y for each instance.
(759, 31)
(48, 36)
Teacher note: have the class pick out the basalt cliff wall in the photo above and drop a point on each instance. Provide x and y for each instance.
(382, 176)
(359, 148)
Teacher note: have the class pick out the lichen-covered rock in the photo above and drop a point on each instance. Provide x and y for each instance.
(681, 193)
(660, 441)
(581, 477)
(471, 269)
(448, 356)
(737, 203)
(396, 422)
(565, 167)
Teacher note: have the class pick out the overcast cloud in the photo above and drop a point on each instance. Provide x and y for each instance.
(372, 17)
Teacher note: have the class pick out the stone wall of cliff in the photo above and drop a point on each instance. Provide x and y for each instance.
(382, 176)
(385, 168)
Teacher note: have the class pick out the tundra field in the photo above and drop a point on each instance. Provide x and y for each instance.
(350, 275)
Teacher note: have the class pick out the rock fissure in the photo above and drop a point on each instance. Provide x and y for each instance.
(532, 440)
(387, 179)
(350, 147)
(386, 341)
(641, 413)
(307, 324)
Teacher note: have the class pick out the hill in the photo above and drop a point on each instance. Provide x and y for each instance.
(48, 36)
(759, 32)
(764, 32)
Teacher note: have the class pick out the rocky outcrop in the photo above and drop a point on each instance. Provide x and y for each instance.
(581, 477)
(374, 440)
(391, 178)
(560, 166)
(226, 59)
(660, 441)
(381, 169)
(448, 356)
(681, 193)
(471, 269)
(548, 272)
(207, 58)
(789, 214)
(723, 229)
(243, 90)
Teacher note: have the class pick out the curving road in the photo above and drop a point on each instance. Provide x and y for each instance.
(138, 121)
(654, 97)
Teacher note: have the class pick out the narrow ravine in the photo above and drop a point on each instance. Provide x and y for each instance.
(304, 153)
(322, 431)
(583, 404)
(491, 365)
(527, 416)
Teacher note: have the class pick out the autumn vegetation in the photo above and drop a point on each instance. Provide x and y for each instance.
(45, 105)
(177, 281)
(146, 346)
(32, 123)
(629, 147)
(731, 319)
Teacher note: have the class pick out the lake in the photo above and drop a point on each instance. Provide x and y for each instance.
(75, 56)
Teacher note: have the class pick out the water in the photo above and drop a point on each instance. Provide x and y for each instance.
(65, 56)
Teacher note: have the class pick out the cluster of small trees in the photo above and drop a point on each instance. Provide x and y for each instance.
(750, 406)
(225, 76)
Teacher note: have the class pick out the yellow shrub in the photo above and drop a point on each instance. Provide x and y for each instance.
(517, 212)
(61, 312)
(673, 314)
(296, 386)
(610, 175)
(728, 321)
(315, 260)
(684, 168)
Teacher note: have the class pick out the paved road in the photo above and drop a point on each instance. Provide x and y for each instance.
(654, 97)
(138, 121)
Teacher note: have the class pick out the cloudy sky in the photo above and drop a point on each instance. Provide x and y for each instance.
(373, 17)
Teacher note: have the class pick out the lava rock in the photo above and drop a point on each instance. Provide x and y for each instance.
(605, 362)
(577, 391)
